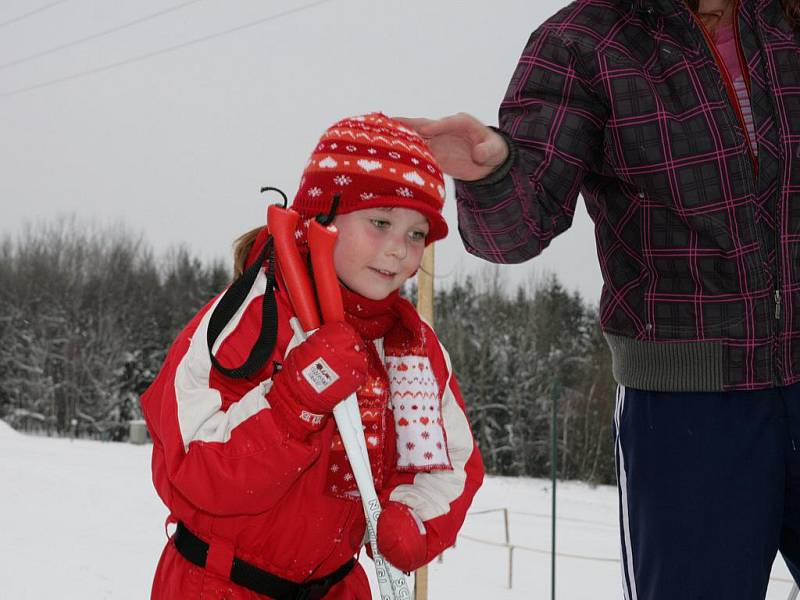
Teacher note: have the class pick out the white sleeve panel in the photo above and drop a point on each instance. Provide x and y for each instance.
(199, 406)
(430, 494)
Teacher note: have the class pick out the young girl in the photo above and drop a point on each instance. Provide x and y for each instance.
(253, 469)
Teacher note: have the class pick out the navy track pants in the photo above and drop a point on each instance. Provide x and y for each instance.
(709, 487)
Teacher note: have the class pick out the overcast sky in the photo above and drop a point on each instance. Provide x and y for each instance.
(171, 125)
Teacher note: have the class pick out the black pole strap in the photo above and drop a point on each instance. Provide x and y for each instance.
(268, 188)
(232, 300)
(326, 220)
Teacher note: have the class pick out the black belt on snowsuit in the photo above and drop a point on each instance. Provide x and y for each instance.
(195, 550)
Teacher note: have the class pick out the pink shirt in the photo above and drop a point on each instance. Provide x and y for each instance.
(725, 42)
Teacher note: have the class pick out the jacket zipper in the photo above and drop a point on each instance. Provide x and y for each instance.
(746, 77)
(734, 100)
(779, 262)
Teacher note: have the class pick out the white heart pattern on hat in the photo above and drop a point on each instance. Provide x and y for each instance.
(328, 163)
(414, 177)
(370, 157)
(369, 165)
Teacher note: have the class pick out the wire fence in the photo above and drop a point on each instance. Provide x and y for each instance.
(793, 595)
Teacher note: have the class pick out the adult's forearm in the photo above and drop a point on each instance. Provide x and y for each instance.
(506, 221)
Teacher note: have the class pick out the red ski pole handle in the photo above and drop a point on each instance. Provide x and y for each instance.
(321, 241)
(282, 223)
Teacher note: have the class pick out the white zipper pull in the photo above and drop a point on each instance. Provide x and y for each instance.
(777, 305)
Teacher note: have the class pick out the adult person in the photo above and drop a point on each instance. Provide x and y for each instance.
(680, 125)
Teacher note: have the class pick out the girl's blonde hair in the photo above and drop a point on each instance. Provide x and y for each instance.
(241, 249)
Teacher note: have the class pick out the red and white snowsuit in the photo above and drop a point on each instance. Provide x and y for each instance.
(228, 469)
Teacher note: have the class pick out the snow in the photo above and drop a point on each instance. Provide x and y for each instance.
(80, 519)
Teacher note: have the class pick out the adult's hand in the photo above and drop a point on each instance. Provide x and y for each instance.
(464, 147)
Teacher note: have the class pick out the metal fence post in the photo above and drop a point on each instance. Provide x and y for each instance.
(556, 393)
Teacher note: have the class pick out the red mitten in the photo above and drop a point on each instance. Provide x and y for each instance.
(317, 375)
(401, 537)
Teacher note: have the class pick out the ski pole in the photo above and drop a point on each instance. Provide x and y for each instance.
(282, 224)
(321, 240)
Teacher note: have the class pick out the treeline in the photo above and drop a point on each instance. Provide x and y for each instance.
(516, 355)
(87, 316)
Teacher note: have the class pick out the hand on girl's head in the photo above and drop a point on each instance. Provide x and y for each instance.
(379, 249)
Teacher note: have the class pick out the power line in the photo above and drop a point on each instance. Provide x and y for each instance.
(141, 57)
(31, 13)
(96, 35)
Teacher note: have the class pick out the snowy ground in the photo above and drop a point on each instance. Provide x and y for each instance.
(80, 520)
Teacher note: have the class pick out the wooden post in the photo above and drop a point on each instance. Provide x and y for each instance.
(425, 309)
(505, 520)
(510, 550)
(425, 286)
(510, 567)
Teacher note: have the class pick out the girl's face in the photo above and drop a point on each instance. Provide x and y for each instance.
(378, 249)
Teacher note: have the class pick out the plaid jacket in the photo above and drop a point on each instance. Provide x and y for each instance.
(698, 240)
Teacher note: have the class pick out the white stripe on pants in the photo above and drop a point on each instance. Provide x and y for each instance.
(628, 580)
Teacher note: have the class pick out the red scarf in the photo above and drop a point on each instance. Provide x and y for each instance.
(400, 397)
(372, 319)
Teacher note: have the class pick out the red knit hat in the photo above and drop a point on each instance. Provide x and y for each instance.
(373, 161)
